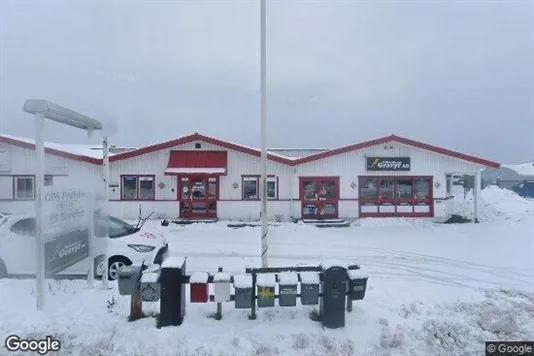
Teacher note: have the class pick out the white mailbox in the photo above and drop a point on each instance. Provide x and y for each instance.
(221, 286)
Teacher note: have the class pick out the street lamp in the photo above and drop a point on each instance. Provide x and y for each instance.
(43, 109)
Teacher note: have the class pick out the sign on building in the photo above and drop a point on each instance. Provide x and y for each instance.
(388, 163)
(67, 218)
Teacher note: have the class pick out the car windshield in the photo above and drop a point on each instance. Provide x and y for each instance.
(115, 227)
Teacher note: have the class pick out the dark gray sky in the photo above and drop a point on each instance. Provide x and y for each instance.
(458, 74)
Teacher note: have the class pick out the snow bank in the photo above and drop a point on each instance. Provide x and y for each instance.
(495, 204)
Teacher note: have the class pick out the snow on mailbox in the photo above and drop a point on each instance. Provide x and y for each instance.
(198, 283)
(243, 291)
(266, 285)
(287, 289)
(357, 284)
(221, 285)
(150, 288)
(128, 280)
(309, 288)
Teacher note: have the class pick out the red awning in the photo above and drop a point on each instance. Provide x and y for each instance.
(197, 162)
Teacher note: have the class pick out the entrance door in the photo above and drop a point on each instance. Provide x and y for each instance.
(320, 197)
(198, 196)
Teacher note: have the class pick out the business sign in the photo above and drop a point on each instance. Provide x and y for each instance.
(66, 226)
(388, 163)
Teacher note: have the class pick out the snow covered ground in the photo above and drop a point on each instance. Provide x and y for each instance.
(440, 289)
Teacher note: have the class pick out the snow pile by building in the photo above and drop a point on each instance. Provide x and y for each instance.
(495, 204)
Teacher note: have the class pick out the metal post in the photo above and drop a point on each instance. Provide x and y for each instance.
(476, 193)
(218, 315)
(39, 184)
(263, 89)
(91, 245)
(105, 172)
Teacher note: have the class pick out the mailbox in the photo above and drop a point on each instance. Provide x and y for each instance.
(266, 285)
(150, 287)
(357, 284)
(221, 286)
(334, 287)
(309, 288)
(128, 280)
(287, 289)
(243, 291)
(172, 304)
(198, 283)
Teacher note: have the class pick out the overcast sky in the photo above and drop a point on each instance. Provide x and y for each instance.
(457, 74)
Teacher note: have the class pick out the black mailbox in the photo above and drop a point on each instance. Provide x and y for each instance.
(334, 287)
(357, 284)
(172, 299)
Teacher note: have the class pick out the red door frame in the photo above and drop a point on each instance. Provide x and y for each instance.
(319, 203)
(412, 201)
(207, 200)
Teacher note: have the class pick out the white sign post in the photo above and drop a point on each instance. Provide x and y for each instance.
(44, 109)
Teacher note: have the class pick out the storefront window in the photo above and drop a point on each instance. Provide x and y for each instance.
(328, 191)
(368, 188)
(310, 191)
(386, 189)
(421, 188)
(404, 189)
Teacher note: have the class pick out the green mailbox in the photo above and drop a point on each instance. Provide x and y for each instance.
(266, 284)
(309, 288)
(287, 289)
(243, 291)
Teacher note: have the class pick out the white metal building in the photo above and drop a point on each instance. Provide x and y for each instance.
(202, 177)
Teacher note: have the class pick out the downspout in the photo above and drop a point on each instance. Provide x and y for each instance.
(292, 181)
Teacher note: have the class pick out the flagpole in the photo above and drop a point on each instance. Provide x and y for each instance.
(263, 90)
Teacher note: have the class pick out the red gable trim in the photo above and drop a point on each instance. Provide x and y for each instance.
(401, 140)
(193, 138)
(54, 152)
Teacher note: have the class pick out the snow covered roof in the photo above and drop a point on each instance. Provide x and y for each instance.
(86, 150)
(525, 169)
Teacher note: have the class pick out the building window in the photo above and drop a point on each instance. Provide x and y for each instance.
(24, 188)
(272, 188)
(138, 188)
(250, 186)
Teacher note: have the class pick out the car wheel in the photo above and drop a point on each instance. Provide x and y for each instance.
(3, 269)
(115, 263)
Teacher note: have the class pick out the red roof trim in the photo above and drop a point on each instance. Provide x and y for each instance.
(54, 152)
(401, 140)
(193, 138)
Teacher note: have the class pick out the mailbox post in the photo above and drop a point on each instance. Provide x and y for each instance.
(332, 307)
(172, 304)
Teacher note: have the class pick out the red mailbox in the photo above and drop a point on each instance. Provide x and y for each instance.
(199, 287)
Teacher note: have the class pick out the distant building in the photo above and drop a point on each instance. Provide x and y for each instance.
(519, 178)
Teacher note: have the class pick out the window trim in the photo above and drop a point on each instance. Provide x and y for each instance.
(138, 186)
(15, 186)
(257, 178)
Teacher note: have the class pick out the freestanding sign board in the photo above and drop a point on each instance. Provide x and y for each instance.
(68, 216)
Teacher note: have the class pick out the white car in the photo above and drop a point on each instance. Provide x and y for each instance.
(126, 245)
